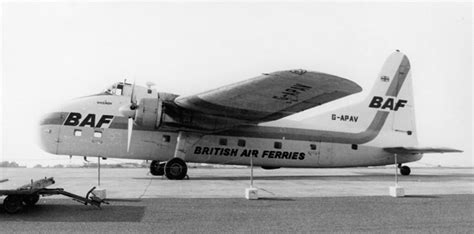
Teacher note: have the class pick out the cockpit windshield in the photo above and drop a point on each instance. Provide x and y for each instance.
(127, 90)
(115, 89)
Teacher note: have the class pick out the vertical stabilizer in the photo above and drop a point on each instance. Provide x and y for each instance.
(387, 113)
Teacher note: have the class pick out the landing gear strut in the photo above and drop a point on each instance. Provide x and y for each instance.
(157, 168)
(176, 169)
(404, 170)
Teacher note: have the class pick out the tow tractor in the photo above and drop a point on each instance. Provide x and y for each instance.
(29, 195)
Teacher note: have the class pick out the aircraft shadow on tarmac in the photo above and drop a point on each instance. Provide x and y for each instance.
(421, 196)
(75, 213)
(359, 177)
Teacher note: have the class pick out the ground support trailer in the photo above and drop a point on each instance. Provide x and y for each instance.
(29, 194)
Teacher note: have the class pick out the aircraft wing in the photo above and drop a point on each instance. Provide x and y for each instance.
(416, 150)
(270, 96)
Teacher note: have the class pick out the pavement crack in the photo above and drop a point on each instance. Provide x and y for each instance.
(146, 189)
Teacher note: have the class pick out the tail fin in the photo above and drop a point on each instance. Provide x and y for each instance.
(387, 114)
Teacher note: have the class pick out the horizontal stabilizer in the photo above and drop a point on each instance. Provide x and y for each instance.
(420, 150)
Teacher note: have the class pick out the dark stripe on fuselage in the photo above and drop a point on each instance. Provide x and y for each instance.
(309, 134)
(54, 118)
(374, 128)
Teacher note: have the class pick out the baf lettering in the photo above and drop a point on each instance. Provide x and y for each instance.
(75, 119)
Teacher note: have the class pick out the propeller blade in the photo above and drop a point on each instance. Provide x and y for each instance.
(133, 99)
(130, 129)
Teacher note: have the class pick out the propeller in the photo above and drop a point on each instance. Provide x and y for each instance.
(130, 129)
(129, 111)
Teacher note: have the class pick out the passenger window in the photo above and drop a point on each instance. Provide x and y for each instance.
(354, 147)
(77, 132)
(222, 141)
(313, 146)
(97, 134)
(241, 143)
(166, 138)
(277, 145)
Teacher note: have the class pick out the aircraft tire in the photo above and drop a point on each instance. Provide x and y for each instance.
(13, 204)
(405, 170)
(176, 169)
(31, 200)
(157, 168)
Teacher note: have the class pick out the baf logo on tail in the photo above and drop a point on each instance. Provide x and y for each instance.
(387, 104)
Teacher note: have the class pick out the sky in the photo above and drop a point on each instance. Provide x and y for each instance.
(54, 52)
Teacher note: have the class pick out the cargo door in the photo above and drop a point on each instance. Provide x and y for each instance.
(326, 155)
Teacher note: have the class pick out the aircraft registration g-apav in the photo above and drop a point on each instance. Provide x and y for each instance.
(243, 121)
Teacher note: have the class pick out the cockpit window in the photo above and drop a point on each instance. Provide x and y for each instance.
(119, 89)
(115, 89)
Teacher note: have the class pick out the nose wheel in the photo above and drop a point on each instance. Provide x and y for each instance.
(404, 170)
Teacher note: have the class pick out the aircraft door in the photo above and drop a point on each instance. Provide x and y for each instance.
(326, 155)
(314, 151)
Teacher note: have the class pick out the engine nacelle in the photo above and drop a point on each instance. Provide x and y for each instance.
(149, 112)
(162, 113)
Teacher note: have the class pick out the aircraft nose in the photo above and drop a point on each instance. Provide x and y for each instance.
(49, 127)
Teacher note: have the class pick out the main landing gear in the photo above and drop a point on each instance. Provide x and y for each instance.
(174, 169)
(404, 170)
(157, 168)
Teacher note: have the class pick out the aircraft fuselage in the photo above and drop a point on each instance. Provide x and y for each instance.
(105, 135)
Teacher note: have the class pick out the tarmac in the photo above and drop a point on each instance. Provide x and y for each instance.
(212, 200)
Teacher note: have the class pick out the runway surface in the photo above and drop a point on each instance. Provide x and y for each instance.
(231, 183)
(212, 200)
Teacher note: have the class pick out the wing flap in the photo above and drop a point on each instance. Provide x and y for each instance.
(270, 96)
(418, 150)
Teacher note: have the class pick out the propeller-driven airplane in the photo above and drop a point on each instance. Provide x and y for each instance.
(234, 123)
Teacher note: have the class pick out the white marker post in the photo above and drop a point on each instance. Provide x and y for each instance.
(396, 191)
(251, 193)
(98, 171)
(99, 192)
(251, 171)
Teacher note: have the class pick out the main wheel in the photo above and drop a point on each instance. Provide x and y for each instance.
(157, 168)
(176, 169)
(13, 204)
(31, 200)
(405, 170)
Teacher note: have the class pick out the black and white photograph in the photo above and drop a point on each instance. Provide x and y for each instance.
(236, 117)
